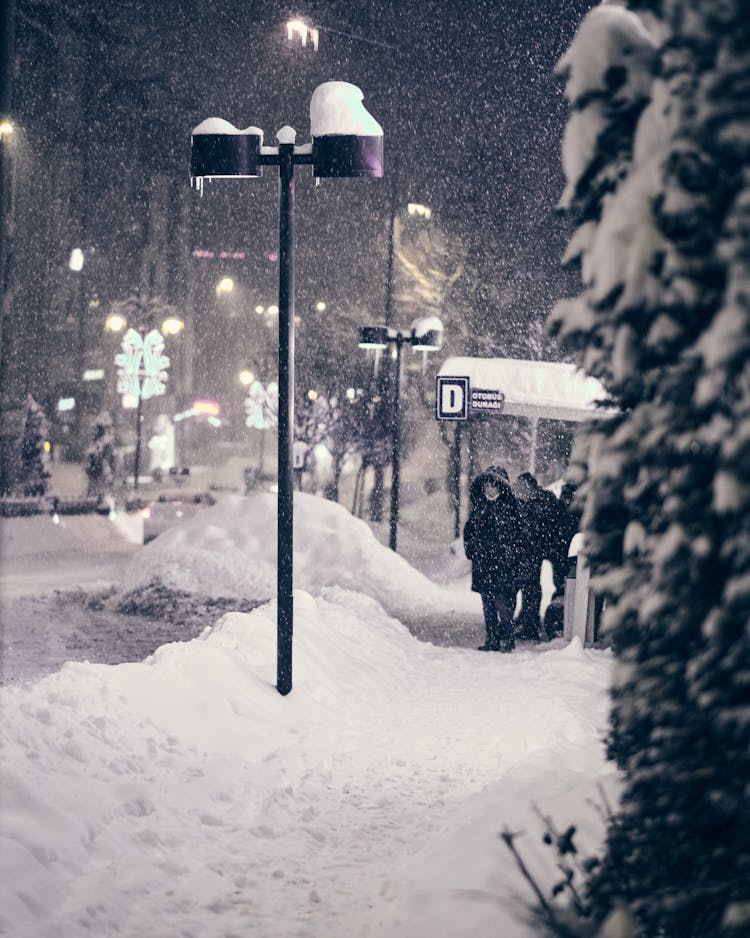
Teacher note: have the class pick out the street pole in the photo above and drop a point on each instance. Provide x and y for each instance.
(136, 468)
(389, 268)
(285, 521)
(396, 453)
(456, 480)
(7, 54)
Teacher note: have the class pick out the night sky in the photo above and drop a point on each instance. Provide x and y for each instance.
(472, 117)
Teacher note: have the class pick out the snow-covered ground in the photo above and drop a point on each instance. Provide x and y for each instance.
(182, 795)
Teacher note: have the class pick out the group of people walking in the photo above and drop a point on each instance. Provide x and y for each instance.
(511, 529)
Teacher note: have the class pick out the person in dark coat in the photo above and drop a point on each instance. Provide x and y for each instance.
(541, 517)
(569, 519)
(494, 542)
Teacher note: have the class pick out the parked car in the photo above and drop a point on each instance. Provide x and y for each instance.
(169, 510)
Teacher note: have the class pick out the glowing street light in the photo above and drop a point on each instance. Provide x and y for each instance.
(142, 373)
(172, 325)
(415, 208)
(346, 142)
(7, 129)
(225, 286)
(320, 306)
(75, 261)
(246, 377)
(115, 322)
(299, 27)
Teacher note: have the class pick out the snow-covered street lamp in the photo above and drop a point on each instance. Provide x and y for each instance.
(346, 142)
(425, 335)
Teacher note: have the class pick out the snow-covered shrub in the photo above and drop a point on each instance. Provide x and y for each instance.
(657, 156)
(35, 473)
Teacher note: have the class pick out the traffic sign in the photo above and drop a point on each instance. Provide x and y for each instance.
(452, 398)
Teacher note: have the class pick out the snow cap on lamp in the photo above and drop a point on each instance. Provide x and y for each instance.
(347, 140)
(220, 150)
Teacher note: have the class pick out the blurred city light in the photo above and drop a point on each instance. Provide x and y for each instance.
(246, 377)
(115, 322)
(414, 208)
(172, 326)
(225, 286)
(206, 408)
(75, 261)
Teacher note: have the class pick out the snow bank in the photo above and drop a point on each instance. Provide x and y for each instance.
(30, 537)
(229, 550)
(184, 796)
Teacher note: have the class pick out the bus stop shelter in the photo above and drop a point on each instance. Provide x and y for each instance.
(536, 390)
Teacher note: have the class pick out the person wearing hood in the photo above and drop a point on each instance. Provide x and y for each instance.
(540, 514)
(569, 519)
(494, 542)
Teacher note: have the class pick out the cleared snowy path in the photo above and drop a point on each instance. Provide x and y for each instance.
(184, 797)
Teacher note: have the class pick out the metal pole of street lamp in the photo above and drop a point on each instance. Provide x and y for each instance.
(396, 451)
(285, 519)
(137, 461)
(7, 52)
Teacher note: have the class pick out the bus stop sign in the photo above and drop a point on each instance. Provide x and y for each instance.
(452, 398)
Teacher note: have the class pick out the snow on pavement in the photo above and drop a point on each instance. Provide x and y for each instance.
(183, 796)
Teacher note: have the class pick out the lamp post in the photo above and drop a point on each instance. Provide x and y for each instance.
(302, 29)
(142, 374)
(346, 142)
(7, 132)
(425, 335)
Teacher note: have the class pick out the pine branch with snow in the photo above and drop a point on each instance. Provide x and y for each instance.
(657, 154)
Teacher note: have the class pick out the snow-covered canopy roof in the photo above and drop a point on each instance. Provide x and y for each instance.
(551, 390)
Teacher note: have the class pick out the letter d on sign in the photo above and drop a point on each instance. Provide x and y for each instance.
(452, 398)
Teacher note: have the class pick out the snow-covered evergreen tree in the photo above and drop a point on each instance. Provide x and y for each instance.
(657, 155)
(100, 457)
(35, 473)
